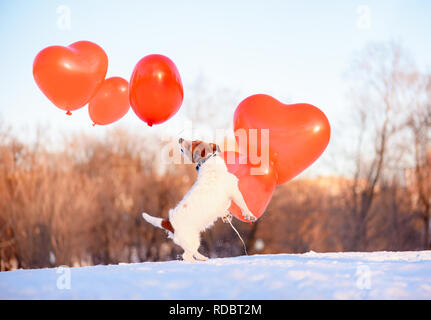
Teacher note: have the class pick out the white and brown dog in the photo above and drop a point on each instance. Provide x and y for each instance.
(208, 199)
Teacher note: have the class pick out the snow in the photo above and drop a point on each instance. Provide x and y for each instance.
(375, 275)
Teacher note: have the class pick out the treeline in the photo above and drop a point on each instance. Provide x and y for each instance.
(82, 206)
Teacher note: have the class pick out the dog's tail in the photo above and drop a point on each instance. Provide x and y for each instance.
(158, 222)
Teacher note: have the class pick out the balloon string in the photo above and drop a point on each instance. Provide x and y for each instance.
(239, 236)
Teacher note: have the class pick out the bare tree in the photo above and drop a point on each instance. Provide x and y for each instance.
(378, 70)
(211, 106)
(419, 123)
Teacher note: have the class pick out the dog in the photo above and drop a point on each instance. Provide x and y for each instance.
(208, 200)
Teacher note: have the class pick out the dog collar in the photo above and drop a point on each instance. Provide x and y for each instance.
(200, 163)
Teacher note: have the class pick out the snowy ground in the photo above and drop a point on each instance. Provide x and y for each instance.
(377, 275)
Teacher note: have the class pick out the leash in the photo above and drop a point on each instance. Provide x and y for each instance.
(239, 236)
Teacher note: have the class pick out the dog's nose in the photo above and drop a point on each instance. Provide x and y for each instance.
(180, 140)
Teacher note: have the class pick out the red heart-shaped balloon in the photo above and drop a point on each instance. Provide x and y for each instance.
(256, 189)
(111, 101)
(298, 133)
(70, 76)
(155, 89)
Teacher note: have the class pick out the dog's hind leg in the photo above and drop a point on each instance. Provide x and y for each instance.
(189, 243)
(200, 256)
(188, 256)
(191, 249)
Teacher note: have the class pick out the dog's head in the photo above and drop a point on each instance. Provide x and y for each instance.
(197, 150)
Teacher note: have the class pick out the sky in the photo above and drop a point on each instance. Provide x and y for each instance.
(296, 51)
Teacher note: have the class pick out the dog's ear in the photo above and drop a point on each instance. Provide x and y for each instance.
(215, 147)
(203, 153)
(198, 150)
